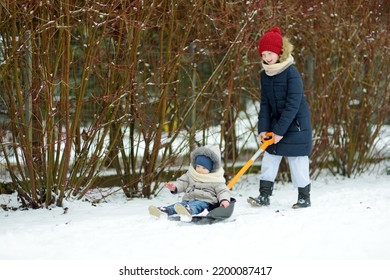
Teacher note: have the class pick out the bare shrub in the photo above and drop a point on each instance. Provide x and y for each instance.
(130, 87)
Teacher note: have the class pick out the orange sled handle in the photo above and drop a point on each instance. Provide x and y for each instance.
(266, 142)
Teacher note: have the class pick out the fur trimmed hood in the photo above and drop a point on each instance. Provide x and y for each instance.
(211, 151)
(286, 49)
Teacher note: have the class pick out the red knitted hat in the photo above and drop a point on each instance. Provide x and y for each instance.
(271, 41)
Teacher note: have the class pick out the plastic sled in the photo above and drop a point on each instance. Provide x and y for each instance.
(216, 214)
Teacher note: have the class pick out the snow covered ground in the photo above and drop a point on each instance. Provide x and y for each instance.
(347, 230)
(345, 234)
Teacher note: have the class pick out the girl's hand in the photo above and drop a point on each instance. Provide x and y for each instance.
(276, 137)
(170, 186)
(224, 203)
(262, 135)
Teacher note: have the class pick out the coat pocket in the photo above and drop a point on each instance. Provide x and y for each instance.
(297, 124)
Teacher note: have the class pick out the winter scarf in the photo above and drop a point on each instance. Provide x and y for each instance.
(213, 177)
(274, 69)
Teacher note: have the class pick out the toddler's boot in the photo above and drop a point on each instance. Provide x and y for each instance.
(159, 212)
(184, 212)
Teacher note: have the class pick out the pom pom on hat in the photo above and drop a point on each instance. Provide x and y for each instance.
(204, 161)
(271, 41)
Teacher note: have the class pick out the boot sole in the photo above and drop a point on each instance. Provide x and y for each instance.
(253, 202)
(185, 216)
(155, 212)
(295, 206)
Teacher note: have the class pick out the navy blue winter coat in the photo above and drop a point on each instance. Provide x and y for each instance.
(285, 112)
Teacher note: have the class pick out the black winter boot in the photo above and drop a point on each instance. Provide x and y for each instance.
(265, 189)
(303, 198)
